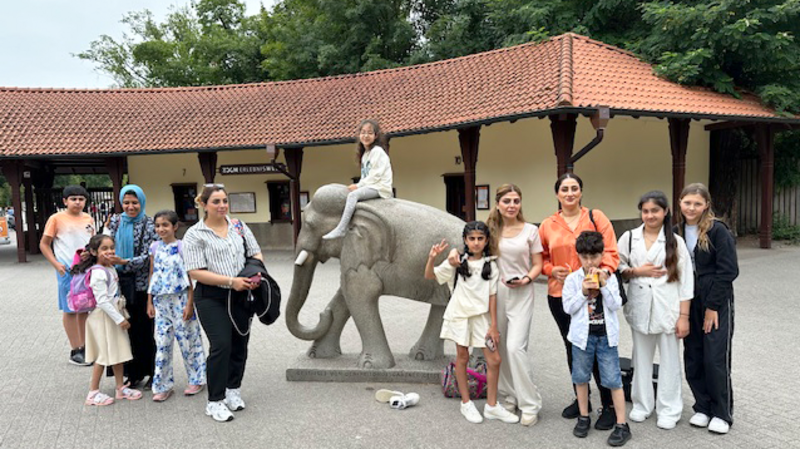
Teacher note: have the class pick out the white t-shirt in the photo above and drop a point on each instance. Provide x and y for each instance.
(516, 252)
(471, 295)
(106, 291)
(69, 233)
(691, 239)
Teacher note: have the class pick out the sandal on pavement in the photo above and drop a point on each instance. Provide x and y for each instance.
(128, 393)
(161, 397)
(386, 395)
(95, 397)
(192, 390)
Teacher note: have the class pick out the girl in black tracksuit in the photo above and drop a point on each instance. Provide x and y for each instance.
(707, 348)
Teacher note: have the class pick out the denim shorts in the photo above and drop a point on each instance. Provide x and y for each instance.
(63, 290)
(607, 359)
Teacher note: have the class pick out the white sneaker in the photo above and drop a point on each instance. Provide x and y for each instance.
(498, 412)
(718, 426)
(218, 411)
(638, 415)
(666, 424)
(529, 420)
(471, 413)
(699, 420)
(233, 399)
(385, 396)
(403, 401)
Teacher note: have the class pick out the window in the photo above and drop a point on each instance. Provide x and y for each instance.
(280, 205)
(184, 195)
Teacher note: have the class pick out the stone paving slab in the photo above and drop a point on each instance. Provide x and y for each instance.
(41, 395)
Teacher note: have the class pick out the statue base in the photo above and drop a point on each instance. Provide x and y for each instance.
(345, 369)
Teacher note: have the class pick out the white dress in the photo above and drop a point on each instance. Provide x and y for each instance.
(106, 343)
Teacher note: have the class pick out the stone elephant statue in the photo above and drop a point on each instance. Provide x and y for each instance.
(383, 253)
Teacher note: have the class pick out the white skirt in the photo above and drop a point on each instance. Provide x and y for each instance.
(106, 343)
(468, 332)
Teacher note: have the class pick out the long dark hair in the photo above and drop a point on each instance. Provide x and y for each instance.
(463, 269)
(379, 139)
(658, 198)
(94, 245)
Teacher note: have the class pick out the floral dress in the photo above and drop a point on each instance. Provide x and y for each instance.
(169, 286)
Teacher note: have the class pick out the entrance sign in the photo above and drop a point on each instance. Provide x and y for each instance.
(247, 169)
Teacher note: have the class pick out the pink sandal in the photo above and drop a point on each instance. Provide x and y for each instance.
(95, 397)
(192, 390)
(128, 393)
(161, 397)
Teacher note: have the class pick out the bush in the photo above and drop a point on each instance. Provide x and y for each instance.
(783, 229)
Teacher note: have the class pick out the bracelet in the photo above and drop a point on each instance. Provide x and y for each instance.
(230, 282)
(684, 314)
(529, 278)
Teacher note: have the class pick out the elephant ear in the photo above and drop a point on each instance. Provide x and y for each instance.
(371, 237)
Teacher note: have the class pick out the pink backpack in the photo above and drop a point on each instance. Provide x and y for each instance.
(81, 297)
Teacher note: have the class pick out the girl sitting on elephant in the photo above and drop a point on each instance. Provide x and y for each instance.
(470, 319)
(376, 174)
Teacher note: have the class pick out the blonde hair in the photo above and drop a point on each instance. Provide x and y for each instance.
(495, 221)
(707, 218)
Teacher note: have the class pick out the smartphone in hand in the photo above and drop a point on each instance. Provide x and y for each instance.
(490, 344)
(255, 280)
(513, 280)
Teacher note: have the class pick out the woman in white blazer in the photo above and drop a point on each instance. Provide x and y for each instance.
(658, 268)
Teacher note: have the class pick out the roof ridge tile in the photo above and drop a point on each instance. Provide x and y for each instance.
(566, 73)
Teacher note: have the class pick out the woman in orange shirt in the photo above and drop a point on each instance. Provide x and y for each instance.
(558, 233)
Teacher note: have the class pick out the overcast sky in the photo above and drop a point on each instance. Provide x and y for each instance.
(39, 37)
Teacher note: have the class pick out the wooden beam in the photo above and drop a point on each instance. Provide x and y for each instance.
(294, 165)
(469, 139)
(766, 152)
(208, 165)
(728, 125)
(678, 142)
(12, 170)
(116, 168)
(562, 127)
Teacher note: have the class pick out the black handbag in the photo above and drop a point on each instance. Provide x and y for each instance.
(265, 301)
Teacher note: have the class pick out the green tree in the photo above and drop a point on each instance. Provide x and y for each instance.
(213, 42)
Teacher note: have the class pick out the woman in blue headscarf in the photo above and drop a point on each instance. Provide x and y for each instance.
(134, 232)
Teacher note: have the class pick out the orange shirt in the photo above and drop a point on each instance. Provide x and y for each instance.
(558, 242)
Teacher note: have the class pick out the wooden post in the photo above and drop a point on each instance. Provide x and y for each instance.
(468, 139)
(562, 127)
(12, 170)
(208, 165)
(116, 168)
(678, 141)
(31, 242)
(766, 152)
(294, 164)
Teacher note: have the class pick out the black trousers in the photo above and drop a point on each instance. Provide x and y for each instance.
(562, 321)
(141, 333)
(707, 361)
(228, 348)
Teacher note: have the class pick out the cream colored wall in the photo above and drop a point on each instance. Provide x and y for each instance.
(633, 158)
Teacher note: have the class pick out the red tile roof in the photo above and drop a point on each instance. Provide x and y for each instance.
(567, 71)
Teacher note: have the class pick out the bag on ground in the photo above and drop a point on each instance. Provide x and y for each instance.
(476, 378)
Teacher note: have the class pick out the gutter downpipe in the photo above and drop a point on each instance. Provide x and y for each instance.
(599, 121)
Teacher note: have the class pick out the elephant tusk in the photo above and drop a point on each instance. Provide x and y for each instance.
(301, 258)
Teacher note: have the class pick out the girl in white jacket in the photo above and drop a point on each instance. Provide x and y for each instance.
(661, 284)
(376, 174)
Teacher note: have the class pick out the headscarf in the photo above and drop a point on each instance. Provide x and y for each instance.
(124, 236)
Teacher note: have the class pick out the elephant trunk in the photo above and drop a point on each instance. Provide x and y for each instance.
(305, 265)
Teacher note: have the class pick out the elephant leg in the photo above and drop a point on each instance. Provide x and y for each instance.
(327, 346)
(430, 346)
(362, 289)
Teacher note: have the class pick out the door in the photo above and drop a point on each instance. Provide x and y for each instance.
(455, 189)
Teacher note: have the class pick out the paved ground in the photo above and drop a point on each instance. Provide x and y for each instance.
(42, 395)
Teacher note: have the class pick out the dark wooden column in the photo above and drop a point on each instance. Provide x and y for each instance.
(469, 139)
(42, 182)
(208, 165)
(31, 241)
(766, 152)
(116, 168)
(678, 141)
(294, 165)
(12, 170)
(562, 127)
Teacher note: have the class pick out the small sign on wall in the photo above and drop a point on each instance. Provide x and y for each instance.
(242, 202)
(247, 169)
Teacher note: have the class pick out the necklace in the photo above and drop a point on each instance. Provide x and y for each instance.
(572, 219)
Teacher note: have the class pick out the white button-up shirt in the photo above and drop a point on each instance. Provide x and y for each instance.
(576, 304)
(653, 303)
